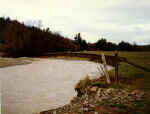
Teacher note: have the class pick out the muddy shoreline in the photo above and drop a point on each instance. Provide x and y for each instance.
(96, 100)
(39, 86)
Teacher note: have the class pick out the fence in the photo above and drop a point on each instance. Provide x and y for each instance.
(111, 60)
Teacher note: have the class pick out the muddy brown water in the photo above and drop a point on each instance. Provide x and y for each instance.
(42, 85)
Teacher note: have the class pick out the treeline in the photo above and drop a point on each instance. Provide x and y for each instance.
(102, 44)
(18, 39)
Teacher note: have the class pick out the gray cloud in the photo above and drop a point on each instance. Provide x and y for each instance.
(115, 20)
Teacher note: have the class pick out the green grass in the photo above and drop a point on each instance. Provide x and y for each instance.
(140, 78)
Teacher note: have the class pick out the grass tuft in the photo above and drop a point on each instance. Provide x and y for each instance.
(83, 83)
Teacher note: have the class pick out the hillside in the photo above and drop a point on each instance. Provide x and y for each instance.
(17, 39)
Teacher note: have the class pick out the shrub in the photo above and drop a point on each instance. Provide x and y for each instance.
(83, 83)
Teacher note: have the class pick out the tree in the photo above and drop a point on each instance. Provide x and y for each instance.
(125, 46)
(101, 44)
(79, 41)
(25, 40)
(111, 46)
(3, 23)
(78, 38)
(84, 45)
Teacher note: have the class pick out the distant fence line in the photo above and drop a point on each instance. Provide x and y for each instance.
(110, 59)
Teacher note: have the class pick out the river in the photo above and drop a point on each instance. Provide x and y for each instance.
(41, 85)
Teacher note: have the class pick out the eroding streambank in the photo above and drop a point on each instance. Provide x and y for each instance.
(42, 85)
(96, 100)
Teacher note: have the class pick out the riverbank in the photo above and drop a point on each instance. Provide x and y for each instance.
(98, 100)
(44, 84)
(7, 62)
(137, 80)
(134, 81)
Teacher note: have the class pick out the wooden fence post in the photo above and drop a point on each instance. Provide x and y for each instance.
(105, 69)
(116, 67)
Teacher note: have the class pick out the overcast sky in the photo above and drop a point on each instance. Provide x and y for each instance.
(115, 20)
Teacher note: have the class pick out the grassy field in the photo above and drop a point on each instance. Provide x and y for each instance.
(140, 78)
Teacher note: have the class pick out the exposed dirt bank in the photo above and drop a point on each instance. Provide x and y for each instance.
(97, 100)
